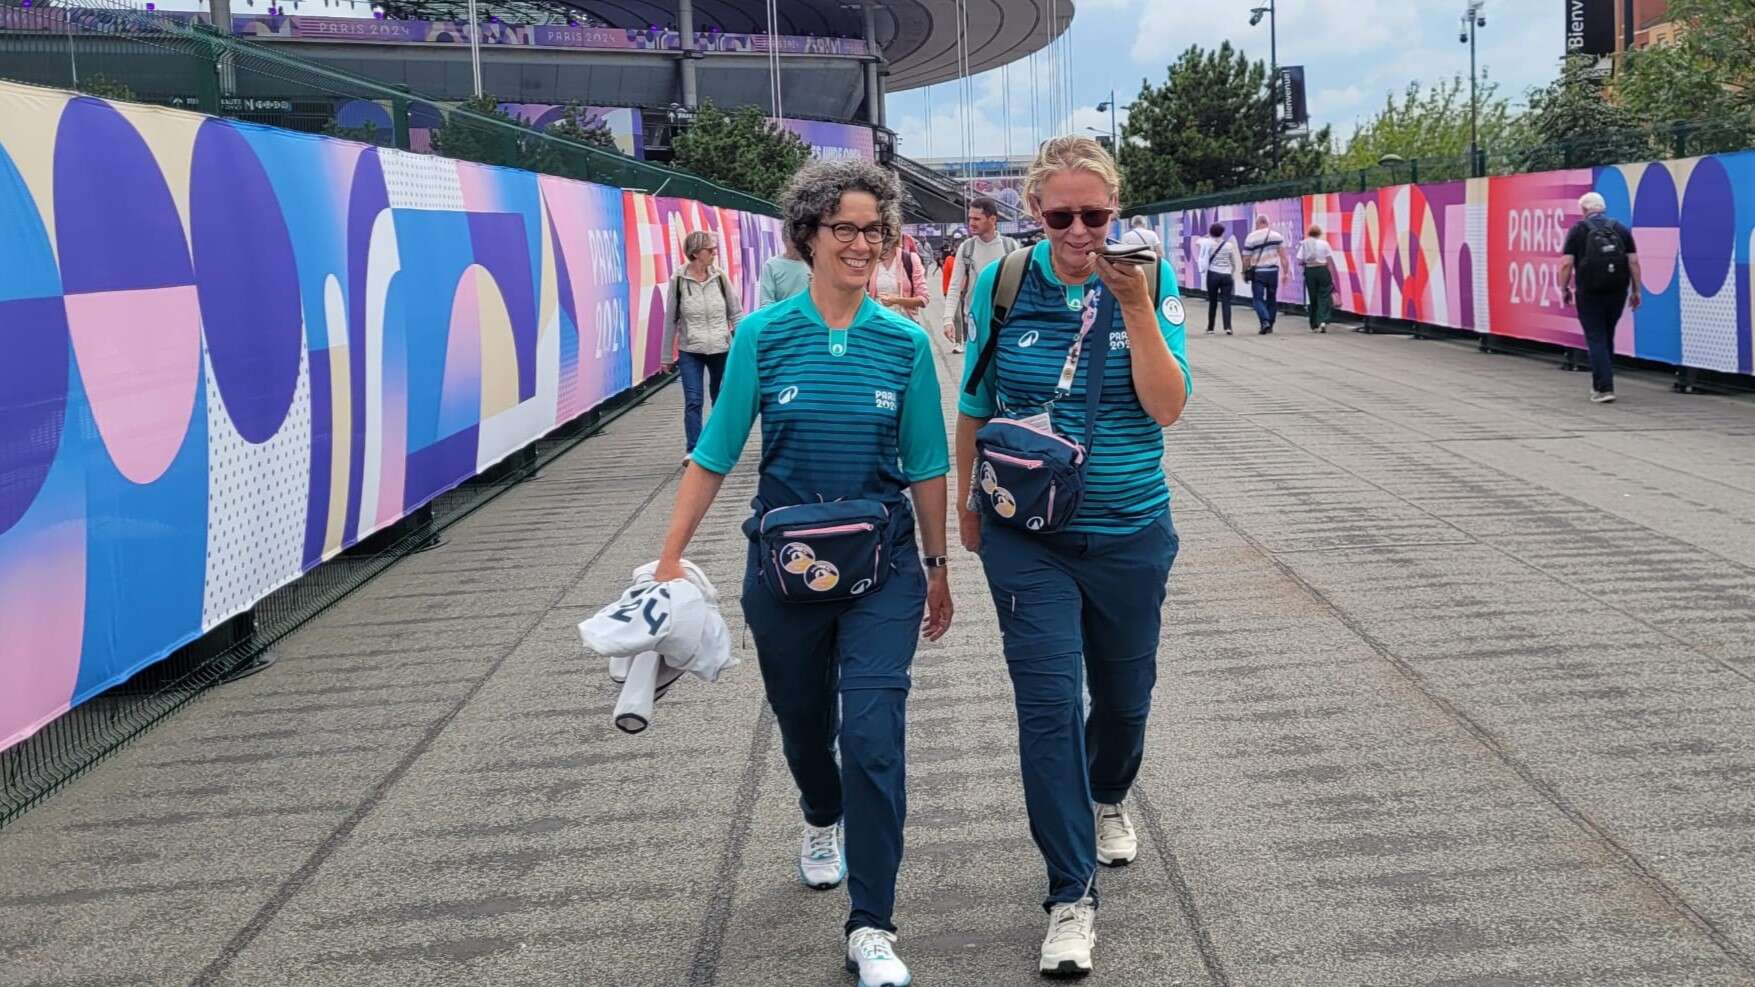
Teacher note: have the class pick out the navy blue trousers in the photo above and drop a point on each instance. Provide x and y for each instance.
(1071, 607)
(839, 672)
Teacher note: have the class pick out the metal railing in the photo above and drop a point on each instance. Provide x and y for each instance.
(1675, 139)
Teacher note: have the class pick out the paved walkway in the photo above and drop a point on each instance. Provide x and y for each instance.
(1458, 687)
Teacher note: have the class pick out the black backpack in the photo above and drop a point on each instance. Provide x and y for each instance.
(1604, 268)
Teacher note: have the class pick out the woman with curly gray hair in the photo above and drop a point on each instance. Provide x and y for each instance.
(835, 588)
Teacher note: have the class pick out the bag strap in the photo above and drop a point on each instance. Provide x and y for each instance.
(1094, 367)
(1005, 294)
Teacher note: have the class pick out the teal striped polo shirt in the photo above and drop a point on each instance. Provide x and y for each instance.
(851, 413)
(1124, 483)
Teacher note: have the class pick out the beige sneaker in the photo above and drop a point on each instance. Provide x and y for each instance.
(1066, 950)
(1117, 845)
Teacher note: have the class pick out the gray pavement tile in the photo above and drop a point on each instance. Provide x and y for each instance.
(1457, 686)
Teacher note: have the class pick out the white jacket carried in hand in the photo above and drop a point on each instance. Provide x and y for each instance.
(653, 633)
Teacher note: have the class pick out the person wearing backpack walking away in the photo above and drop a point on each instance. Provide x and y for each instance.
(1264, 259)
(836, 593)
(981, 247)
(1602, 252)
(1140, 232)
(1222, 264)
(1075, 368)
(698, 324)
(1320, 278)
(898, 282)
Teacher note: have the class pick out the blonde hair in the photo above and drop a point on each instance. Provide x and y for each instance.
(1061, 154)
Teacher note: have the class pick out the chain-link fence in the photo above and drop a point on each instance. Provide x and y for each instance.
(111, 50)
(1680, 139)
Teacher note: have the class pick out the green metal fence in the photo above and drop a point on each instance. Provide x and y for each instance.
(117, 52)
(1679, 139)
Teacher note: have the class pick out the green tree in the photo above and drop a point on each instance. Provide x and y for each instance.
(1697, 94)
(1430, 126)
(478, 130)
(104, 87)
(741, 149)
(1209, 128)
(579, 126)
(366, 133)
(1572, 123)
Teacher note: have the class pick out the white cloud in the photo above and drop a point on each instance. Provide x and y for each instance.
(1355, 52)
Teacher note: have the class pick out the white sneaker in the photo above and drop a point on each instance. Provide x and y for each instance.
(1066, 950)
(820, 863)
(1602, 397)
(956, 349)
(1116, 843)
(870, 954)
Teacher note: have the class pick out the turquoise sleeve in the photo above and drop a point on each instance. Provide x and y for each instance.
(984, 402)
(740, 399)
(925, 452)
(1173, 320)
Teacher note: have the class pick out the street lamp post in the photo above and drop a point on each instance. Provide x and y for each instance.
(1473, 19)
(1109, 104)
(1271, 11)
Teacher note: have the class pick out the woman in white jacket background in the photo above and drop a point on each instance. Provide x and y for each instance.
(702, 313)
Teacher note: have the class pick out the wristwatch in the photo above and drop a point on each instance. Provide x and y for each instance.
(935, 561)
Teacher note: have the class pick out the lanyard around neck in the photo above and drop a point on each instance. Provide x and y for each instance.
(1070, 368)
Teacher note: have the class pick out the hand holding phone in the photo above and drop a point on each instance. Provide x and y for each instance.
(1128, 253)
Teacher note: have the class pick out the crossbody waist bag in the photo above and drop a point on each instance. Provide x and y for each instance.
(820, 553)
(1026, 476)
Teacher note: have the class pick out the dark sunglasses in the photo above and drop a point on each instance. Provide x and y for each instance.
(1094, 219)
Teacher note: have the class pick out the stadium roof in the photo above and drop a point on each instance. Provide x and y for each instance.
(919, 37)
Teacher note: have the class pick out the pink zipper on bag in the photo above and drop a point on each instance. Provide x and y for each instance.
(840, 529)
(1078, 450)
(1029, 464)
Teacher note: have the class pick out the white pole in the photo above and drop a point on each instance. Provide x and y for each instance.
(475, 47)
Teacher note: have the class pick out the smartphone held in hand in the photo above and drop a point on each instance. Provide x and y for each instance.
(1129, 253)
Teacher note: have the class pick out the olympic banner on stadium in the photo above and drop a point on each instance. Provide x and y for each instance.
(231, 352)
(1483, 255)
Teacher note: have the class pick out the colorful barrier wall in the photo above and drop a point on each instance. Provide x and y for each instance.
(1483, 255)
(231, 352)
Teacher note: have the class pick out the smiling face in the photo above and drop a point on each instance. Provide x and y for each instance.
(846, 266)
(1078, 191)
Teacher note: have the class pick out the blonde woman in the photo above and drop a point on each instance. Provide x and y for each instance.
(698, 323)
(1079, 596)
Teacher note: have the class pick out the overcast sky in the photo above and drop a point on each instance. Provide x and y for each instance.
(1354, 53)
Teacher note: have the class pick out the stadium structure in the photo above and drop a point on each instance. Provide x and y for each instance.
(823, 67)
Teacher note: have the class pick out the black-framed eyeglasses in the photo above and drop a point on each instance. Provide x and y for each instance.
(874, 234)
(1060, 219)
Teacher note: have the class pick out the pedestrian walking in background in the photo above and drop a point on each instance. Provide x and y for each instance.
(1141, 232)
(1080, 586)
(698, 324)
(947, 267)
(1264, 259)
(898, 281)
(1320, 278)
(1602, 253)
(1222, 262)
(783, 276)
(981, 247)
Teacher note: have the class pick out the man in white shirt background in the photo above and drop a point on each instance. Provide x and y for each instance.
(1141, 232)
(1264, 257)
(983, 246)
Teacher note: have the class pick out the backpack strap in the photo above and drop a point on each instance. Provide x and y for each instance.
(1006, 283)
(908, 269)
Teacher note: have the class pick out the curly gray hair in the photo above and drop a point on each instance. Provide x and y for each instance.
(814, 193)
